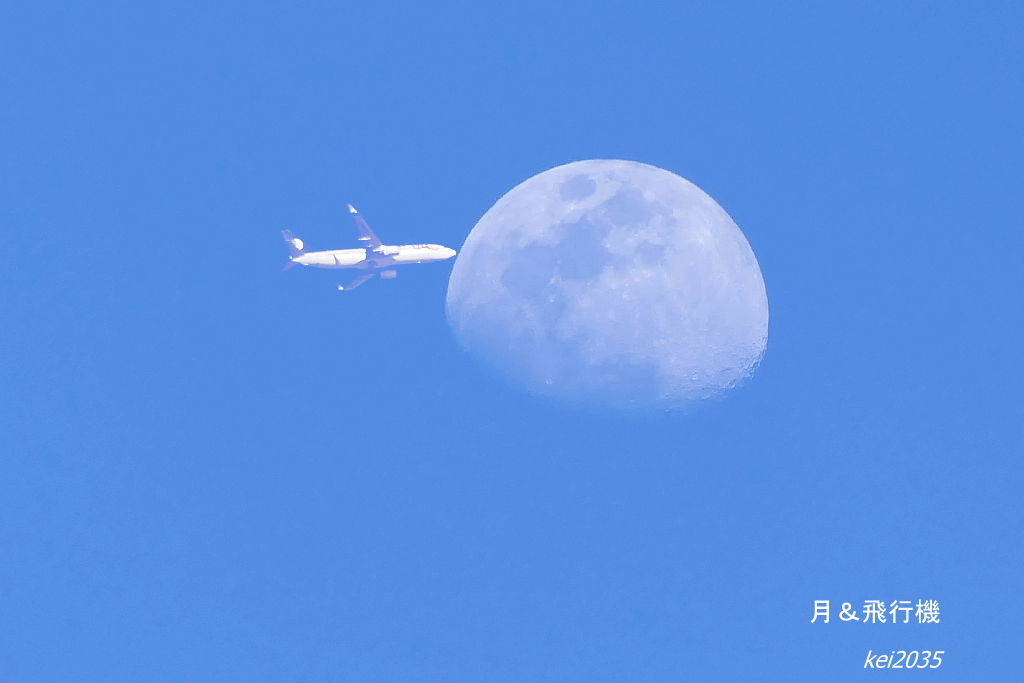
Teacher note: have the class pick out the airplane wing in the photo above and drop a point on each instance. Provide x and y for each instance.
(358, 281)
(365, 234)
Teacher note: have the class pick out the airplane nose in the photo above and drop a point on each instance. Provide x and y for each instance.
(449, 252)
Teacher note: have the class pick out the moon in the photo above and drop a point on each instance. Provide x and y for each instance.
(611, 284)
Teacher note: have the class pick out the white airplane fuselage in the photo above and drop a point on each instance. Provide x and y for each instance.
(375, 258)
(381, 257)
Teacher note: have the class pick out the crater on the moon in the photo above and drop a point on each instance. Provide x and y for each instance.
(613, 284)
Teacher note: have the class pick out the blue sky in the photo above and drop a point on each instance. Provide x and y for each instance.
(213, 471)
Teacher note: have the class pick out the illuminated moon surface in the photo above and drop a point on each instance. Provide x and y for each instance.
(611, 284)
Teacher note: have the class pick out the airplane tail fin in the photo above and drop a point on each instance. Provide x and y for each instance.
(295, 245)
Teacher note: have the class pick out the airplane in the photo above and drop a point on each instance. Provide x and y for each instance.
(376, 258)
